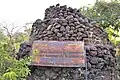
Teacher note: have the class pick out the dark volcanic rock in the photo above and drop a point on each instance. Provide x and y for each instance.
(66, 24)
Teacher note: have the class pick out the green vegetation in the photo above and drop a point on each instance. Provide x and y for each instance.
(10, 67)
(107, 15)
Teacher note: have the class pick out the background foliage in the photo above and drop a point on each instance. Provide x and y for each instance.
(107, 15)
(10, 67)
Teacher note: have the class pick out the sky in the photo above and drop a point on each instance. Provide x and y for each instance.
(20, 12)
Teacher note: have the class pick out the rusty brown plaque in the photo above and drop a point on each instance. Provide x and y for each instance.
(58, 53)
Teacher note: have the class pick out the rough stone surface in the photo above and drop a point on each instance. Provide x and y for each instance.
(63, 23)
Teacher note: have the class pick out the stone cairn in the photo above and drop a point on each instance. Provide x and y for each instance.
(62, 23)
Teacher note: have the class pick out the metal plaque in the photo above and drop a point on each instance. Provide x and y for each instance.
(58, 53)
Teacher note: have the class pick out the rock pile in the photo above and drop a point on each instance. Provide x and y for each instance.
(63, 23)
(100, 62)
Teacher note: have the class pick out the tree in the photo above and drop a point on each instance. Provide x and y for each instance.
(107, 15)
(10, 67)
